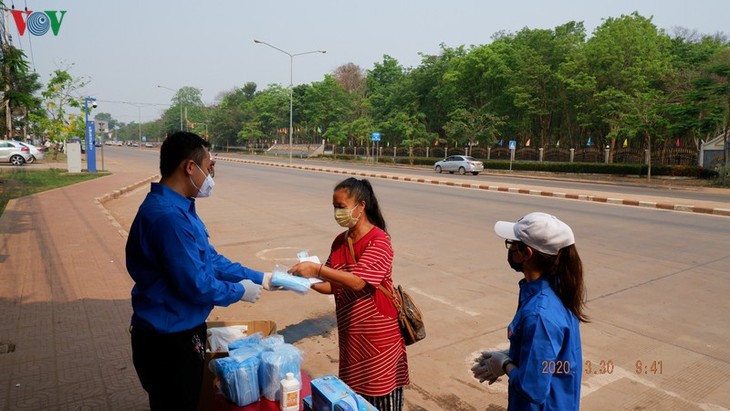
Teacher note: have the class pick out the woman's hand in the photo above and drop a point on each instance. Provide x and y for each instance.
(306, 269)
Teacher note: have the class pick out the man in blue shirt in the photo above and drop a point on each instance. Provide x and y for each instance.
(544, 361)
(179, 277)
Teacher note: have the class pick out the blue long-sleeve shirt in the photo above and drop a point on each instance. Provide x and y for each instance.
(178, 274)
(545, 346)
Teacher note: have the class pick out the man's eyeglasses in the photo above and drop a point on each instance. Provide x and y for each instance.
(511, 244)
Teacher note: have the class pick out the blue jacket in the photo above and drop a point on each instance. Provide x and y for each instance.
(545, 346)
(178, 275)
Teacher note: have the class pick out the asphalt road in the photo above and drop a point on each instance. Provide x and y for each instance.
(657, 282)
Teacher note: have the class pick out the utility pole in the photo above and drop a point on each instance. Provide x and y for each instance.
(4, 45)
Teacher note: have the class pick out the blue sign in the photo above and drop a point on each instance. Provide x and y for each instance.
(376, 136)
(144, 139)
(512, 144)
(90, 152)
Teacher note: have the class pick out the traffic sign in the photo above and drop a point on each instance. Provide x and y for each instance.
(376, 136)
(513, 144)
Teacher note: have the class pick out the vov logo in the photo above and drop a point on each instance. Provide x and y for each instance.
(38, 22)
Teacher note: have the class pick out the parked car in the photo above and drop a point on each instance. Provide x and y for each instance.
(36, 153)
(461, 164)
(14, 153)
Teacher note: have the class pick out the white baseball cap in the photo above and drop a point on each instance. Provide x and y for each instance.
(541, 231)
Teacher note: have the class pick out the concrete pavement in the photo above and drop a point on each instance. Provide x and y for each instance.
(64, 297)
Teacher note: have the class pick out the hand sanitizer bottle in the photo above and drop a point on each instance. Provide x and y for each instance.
(290, 389)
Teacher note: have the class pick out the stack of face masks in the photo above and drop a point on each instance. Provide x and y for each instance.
(255, 366)
(253, 339)
(275, 364)
(238, 378)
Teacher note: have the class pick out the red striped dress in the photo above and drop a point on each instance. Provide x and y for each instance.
(372, 352)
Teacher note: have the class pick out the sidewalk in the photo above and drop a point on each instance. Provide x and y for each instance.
(64, 299)
(64, 294)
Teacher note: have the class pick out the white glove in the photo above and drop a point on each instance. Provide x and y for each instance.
(251, 291)
(266, 283)
(490, 366)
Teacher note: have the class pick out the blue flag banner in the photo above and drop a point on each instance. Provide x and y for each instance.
(588, 143)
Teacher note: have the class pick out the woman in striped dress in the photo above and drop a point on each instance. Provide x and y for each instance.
(373, 358)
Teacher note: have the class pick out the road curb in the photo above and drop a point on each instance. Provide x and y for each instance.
(688, 208)
(101, 200)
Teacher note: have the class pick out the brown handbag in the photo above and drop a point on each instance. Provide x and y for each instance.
(410, 318)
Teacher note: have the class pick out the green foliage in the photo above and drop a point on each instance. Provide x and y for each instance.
(628, 80)
(58, 96)
(722, 174)
(18, 86)
(20, 182)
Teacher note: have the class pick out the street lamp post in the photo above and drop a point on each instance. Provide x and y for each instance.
(291, 86)
(179, 102)
(90, 147)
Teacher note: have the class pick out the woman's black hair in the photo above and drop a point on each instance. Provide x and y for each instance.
(181, 146)
(565, 273)
(361, 190)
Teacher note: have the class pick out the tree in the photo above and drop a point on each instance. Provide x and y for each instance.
(233, 110)
(60, 93)
(187, 104)
(351, 77)
(474, 126)
(628, 56)
(18, 86)
(326, 102)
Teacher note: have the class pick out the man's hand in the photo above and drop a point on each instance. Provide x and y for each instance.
(251, 292)
(266, 283)
(489, 366)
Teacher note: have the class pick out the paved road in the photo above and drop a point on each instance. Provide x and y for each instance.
(657, 285)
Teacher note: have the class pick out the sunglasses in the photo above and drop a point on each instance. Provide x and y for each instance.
(511, 244)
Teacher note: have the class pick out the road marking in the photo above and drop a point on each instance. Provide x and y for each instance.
(289, 251)
(598, 381)
(443, 301)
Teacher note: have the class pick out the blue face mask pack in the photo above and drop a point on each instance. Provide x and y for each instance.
(255, 367)
(280, 278)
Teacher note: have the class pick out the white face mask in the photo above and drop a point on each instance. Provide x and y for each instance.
(207, 187)
(344, 217)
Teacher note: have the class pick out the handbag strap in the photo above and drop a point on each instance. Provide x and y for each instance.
(352, 249)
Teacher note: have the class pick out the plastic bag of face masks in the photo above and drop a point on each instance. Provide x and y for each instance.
(280, 278)
(238, 377)
(272, 341)
(252, 339)
(275, 364)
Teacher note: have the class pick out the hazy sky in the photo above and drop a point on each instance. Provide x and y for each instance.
(127, 48)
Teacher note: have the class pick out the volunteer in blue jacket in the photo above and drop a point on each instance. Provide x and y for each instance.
(544, 361)
(179, 277)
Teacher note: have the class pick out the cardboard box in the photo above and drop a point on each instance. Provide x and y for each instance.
(329, 393)
(208, 390)
(354, 403)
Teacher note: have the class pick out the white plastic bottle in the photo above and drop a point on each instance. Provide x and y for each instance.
(290, 390)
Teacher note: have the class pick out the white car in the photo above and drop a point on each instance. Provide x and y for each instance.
(460, 164)
(14, 153)
(35, 152)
